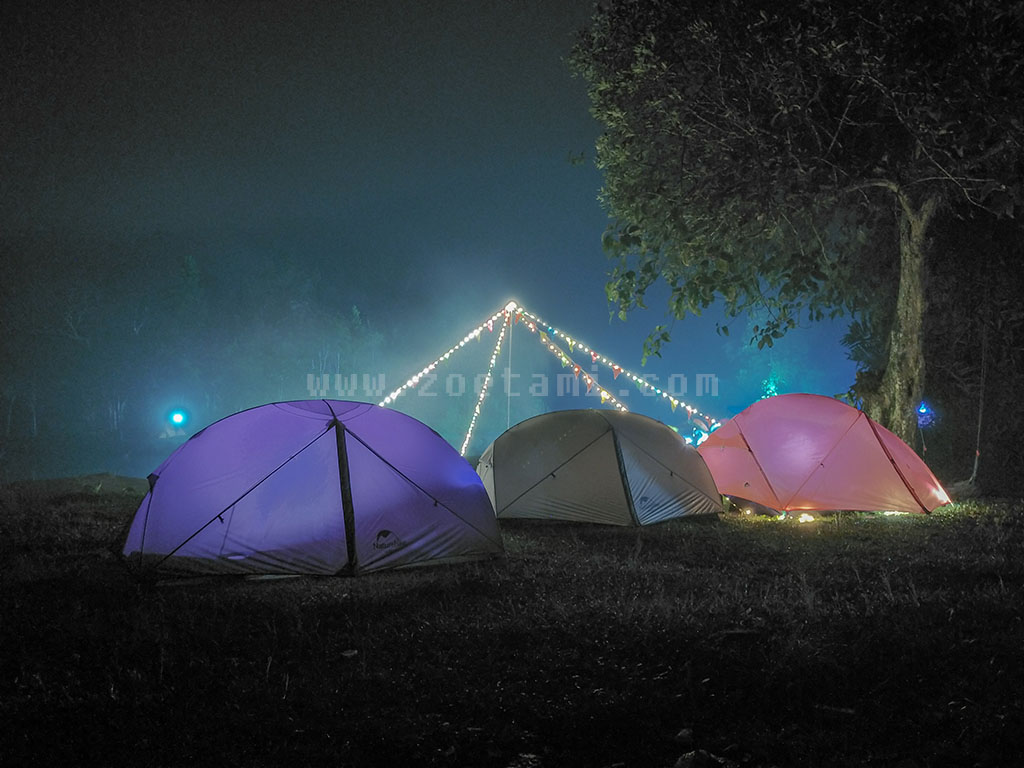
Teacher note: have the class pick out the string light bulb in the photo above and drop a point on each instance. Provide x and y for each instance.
(483, 390)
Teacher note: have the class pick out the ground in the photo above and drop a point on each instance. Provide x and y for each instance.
(855, 640)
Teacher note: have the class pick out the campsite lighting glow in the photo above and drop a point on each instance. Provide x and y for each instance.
(805, 518)
(177, 418)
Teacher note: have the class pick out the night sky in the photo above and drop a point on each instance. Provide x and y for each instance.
(414, 158)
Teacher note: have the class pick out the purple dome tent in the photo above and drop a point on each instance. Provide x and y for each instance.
(312, 487)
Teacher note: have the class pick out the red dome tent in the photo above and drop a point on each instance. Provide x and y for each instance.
(804, 452)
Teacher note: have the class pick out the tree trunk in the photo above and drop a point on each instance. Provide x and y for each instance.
(903, 381)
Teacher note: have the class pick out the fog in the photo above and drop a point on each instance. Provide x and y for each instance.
(209, 207)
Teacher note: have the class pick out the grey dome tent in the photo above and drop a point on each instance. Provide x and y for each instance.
(596, 466)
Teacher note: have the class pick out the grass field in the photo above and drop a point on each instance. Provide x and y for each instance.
(856, 640)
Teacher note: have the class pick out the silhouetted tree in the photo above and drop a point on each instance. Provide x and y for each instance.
(753, 151)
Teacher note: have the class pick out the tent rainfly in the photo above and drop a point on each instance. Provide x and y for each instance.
(312, 487)
(596, 466)
(801, 452)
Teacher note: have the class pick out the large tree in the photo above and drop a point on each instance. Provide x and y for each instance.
(758, 152)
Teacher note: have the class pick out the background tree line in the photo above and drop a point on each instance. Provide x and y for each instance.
(102, 339)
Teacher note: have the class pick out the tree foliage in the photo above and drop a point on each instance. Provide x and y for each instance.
(756, 152)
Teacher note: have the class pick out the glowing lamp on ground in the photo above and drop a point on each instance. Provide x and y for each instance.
(805, 518)
(177, 418)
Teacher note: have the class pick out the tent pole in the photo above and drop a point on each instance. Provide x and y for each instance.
(981, 406)
(508, 382)
(346, 497)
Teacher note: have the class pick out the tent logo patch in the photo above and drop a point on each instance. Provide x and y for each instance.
(386, 540)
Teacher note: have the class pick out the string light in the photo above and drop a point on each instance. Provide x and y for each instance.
(604, 394)
(514, 312)
(415, 378)
(483, 389)
(617, 369)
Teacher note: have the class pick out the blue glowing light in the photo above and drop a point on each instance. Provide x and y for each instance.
(178, 418)
(925, 415)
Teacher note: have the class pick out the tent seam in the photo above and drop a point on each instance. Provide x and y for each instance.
(556, 469)
(824, 458)
(739, 428)
(895, 466)
(624, 478)
(262, 480)
(422, 490)
(673, 473)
